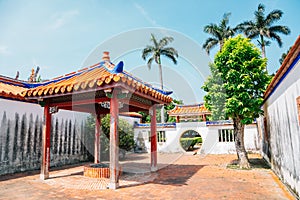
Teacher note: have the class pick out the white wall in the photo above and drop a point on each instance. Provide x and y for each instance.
(21, 137)
(250, 139)
(209, 134)
(284, 141)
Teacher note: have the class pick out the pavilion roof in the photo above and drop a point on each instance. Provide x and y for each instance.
(189, 110)
(11, 88)
(101, 75)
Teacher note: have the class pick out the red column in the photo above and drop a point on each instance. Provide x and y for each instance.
(152, 113)
(177, 119)
(46, 144)
(97, 138)
(114, 142)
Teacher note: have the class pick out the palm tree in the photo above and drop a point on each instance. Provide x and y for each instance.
(158, 49)
(262, 27)
(154, 53)
(219, 33)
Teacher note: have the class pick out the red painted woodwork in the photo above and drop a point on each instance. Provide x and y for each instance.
(46, 144)
(114, 141)
(97, 138)
(153, 139)
(80, 102)
(177, 119)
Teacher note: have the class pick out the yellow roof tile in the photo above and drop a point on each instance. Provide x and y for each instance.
(189, 110)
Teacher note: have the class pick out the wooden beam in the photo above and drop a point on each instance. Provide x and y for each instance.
(79, 102)
(114, 142)
(93, 109)
(45, 165)
(136, 104)
(152, 113)
(97, 138)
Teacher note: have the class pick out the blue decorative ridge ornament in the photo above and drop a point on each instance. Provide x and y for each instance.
(118, 68)
(164, 92)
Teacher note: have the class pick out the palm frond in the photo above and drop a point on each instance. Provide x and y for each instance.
(171, 53)
(273, 16)
(169, 50)
(213, 29)
(170, 56)
(225, 20)
(147, 51)
(280, 29)
(261, 8)
(165, 41)
(149, 63)
(153, 39)
(209, 44)
(276, 37)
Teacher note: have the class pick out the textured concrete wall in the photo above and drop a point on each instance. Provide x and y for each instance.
(21, 137)
(281, 137)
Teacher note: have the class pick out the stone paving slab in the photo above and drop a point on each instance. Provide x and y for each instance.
(179, 177)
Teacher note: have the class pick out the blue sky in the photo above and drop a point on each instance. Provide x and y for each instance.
(59, 35)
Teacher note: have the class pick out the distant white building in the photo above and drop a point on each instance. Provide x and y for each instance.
(217, 137)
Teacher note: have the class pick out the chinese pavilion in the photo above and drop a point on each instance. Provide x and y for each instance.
(103, 88)
(196, 112)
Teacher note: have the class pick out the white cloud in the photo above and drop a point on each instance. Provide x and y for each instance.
(145, 14)
(62, 18)
(4, 50)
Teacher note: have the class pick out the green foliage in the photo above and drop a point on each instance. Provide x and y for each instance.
(146, 118)
(283, 56)
(219, 33)
(262, 26)
(126, 141)
(126, 134)
(216, 94)
(242, 75)
(189, 143)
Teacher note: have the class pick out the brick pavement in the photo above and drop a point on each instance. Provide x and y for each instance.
(179, 177)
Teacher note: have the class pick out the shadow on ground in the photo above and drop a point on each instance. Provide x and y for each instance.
(177, 175)
(255, 163)
(172, 174)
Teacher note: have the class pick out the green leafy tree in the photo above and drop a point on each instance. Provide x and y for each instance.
(216, 94)
(126, 134)
(220, 32)
(244, 78)
(263, 27)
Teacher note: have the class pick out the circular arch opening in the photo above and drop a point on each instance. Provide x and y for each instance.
(191, 140)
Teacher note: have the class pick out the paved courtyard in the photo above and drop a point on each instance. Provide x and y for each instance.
(180, 177)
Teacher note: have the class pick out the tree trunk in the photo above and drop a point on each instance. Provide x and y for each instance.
(263, 51)
(239, 143)
(162, 116)
(161, 76)
(263, 46)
